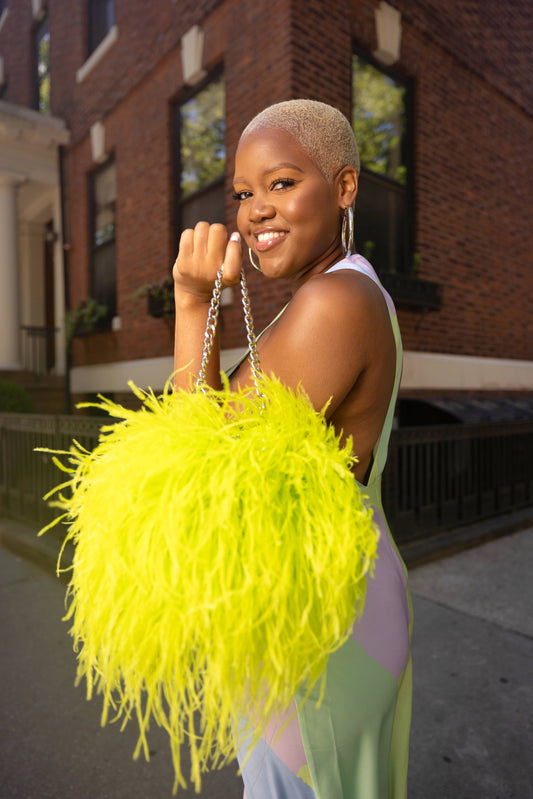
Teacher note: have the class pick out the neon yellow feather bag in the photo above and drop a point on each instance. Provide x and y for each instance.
(222, 549)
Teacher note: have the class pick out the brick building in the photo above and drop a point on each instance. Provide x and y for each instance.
(118, 124)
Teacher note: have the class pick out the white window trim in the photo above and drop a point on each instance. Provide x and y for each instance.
(3, 17)
(37, 9)
(96, 56)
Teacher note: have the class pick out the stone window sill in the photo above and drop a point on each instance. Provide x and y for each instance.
(97, 55)
(3, 17)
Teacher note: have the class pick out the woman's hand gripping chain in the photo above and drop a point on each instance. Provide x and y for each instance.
(201, 254)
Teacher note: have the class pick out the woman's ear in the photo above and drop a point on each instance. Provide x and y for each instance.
(347, 184)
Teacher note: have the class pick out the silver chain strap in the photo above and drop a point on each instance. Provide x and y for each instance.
(250, 334)
(210, 330)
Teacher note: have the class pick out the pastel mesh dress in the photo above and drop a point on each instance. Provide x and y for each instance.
(355, 744)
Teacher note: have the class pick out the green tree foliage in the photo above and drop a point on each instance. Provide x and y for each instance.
(378, 120)
(202, 138)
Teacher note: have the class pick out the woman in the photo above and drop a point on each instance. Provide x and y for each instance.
(296, 172)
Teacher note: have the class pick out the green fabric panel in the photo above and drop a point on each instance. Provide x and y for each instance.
(347, 738)
(399, 753)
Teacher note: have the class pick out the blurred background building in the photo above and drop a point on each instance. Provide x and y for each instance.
(118, 125)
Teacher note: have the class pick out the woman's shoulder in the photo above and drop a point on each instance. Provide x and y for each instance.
(343, 290)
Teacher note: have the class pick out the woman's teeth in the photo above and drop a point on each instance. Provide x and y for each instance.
(274, 234)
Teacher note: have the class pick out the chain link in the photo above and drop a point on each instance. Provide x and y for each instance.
(210, 330)
(250, 335)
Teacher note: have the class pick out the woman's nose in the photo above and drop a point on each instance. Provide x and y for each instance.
(261, 208)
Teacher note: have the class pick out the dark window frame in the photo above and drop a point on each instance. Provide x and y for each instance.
(94, 39)
(184, 97)
(94, 248)
(41, 25)
(404, 264)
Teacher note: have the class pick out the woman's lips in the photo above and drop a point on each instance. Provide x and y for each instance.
(268, 239)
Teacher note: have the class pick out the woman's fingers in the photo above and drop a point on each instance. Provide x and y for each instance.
(213, 239)
(233, 260)
(201, 254)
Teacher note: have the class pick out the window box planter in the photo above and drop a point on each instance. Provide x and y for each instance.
(159, 298)
(88, 318)
(409, 291)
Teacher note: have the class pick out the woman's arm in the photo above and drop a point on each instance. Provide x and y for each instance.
(202, 252)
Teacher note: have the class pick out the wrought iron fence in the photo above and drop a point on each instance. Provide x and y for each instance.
(25, 475)
(437, 478)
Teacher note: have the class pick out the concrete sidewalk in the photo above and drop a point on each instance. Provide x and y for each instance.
(472, 734)
(472, 731)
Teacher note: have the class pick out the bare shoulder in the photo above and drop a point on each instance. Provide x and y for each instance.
(335, 305)
(345, 287)
(334, 331)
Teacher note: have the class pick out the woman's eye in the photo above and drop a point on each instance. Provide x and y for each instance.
(282, 183)
(239, 196)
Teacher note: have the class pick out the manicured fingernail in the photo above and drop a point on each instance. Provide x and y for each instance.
(235, 236)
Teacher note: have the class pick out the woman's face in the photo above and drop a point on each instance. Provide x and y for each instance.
(289, 215)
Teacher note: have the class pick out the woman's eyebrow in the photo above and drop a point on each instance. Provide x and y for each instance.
(282, 165)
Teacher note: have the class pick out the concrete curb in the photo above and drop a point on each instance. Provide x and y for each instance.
(22, 539)
(448, 543)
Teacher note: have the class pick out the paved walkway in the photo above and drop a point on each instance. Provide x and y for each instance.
(472, 734)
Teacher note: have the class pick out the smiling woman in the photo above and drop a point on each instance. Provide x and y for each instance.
(296, 178)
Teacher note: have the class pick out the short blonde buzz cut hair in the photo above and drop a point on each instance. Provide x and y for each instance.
(321, 130)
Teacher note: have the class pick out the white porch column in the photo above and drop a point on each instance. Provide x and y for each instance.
(9, 277)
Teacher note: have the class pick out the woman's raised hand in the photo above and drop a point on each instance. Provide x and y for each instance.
(202, 252)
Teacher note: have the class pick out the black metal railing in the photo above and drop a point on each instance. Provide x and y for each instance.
(25, 475)
(436, 478)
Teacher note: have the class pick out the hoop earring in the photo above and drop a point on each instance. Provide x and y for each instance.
(251, 257)
(347, 234)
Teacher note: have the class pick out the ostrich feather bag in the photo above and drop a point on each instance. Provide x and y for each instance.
(222, 547)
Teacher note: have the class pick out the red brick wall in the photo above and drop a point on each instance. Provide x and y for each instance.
(16, 47)
(144, 162)
(473, 160)
(472, 147)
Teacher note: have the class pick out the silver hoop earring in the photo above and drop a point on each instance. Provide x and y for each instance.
(251, 257)
(347, 234)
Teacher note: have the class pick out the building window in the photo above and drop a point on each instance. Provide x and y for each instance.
(381, 122)
(101, 20)
(103, 187)
(42, 66)
(201, 155)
